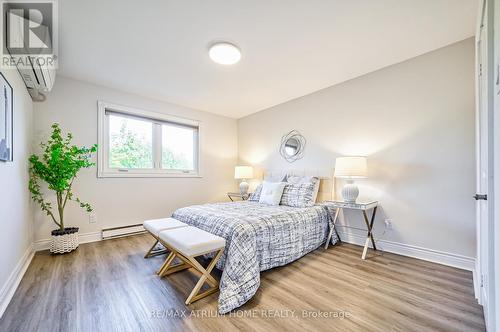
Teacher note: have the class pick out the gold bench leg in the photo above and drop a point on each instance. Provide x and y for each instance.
(175, 268)
(151, 249)
(206, 277)
(204, 294)
(200, 269)
(166, 263)
(188, 262)
(167, 268)
(152, 253)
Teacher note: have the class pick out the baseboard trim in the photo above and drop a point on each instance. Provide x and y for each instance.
(10, 286)
(431, 255)
(84, 238)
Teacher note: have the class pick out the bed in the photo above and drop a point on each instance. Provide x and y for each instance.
(258, 237)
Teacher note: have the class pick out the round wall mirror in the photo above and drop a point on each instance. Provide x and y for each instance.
(292, 146)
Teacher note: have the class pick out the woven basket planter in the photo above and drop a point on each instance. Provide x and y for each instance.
(64, 241)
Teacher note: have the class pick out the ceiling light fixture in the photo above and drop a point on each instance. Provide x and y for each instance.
(224, 53)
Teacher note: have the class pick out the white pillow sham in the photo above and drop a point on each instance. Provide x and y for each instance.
(271, 192)
(255, 196)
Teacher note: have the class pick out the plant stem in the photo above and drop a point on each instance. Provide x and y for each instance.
(60, 208)
(68, 192)
(54, 219)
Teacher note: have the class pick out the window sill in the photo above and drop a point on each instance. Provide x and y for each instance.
(146, 175)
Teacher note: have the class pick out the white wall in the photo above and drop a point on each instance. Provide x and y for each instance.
(126, 201)
(414, 121)
(15, 212)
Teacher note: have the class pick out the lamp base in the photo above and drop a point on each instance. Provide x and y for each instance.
(350, 192)
(244, 187)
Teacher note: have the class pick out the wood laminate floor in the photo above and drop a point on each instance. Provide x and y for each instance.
(109, 286)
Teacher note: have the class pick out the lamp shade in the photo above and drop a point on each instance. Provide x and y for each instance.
(351, 167)
(243, 172)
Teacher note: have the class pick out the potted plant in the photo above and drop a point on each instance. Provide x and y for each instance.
(58, 167)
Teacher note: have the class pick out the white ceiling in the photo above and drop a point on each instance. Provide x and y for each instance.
(158, 48)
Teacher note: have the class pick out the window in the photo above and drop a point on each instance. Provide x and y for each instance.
(130, 143)
(177, 146)
(135, 143)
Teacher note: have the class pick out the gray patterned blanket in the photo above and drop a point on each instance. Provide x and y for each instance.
(258, 237)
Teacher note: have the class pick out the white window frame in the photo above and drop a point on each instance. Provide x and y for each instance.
(103, 169)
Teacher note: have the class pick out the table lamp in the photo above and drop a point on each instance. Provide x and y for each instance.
(350, 168)
(243, 173)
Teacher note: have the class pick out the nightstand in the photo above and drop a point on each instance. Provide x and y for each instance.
(363, 207)
(243, 197)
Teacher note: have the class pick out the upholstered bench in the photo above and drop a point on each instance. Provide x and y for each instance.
(155, 226)
(186, 243)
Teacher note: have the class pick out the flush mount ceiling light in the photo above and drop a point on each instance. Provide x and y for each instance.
(224, 53)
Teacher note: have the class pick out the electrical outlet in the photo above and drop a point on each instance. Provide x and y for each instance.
(92, 218)
(388, 224)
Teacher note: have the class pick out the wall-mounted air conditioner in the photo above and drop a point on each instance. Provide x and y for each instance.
(38, 74)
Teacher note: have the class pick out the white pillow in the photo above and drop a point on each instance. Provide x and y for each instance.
(255, 196)
(271, 192)
(295, 179)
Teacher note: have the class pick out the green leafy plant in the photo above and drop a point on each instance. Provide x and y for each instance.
(58, 167)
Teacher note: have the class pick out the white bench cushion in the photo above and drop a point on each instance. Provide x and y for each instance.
(192, 241)
(155, 226)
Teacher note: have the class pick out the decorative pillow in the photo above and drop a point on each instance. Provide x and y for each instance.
(298, 195)
(294, 179)
(271, 192)
(255, 196)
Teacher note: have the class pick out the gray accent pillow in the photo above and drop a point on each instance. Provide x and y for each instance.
(298, 195)
(296, 179)
(255, 196)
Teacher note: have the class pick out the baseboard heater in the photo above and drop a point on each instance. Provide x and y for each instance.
(111, 233)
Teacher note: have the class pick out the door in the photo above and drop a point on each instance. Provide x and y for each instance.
(484, 182)
(495, 202)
